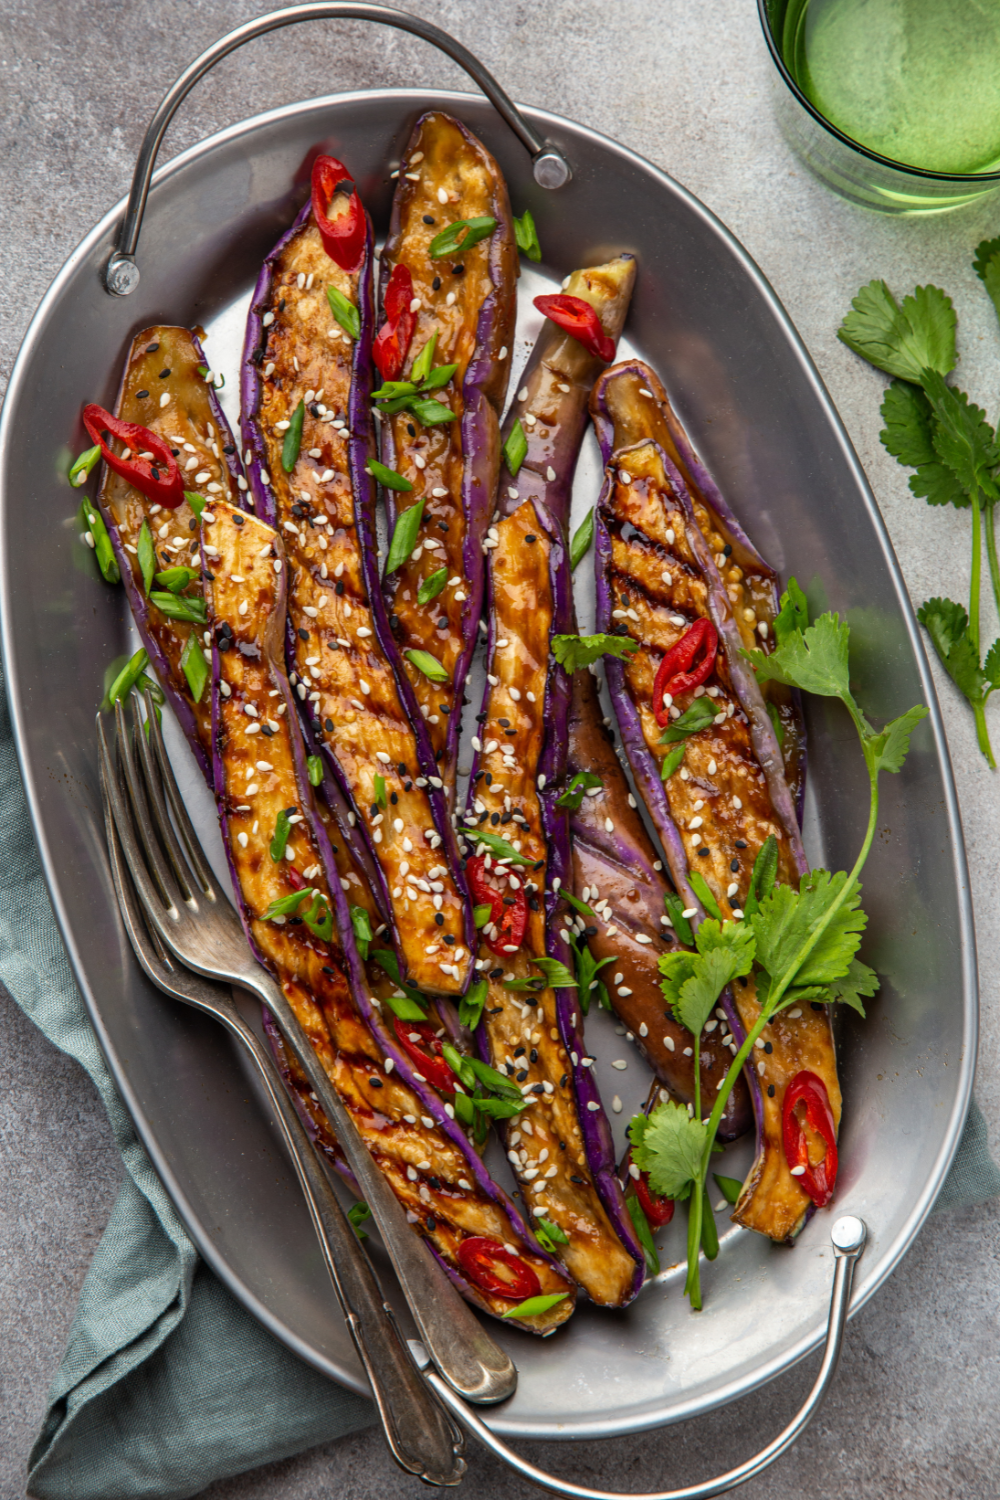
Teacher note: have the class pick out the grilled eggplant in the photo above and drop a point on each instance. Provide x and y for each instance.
(163, 388)
(656, 577)
(278, 849)
(629, 405)
(561, 1148)
(301, 367)
(467, 299)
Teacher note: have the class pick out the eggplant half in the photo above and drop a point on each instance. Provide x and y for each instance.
(164, 388)
(296, 917)
(716, 805)
(630, 405)
(531, 1030)
(464, 300)
(306, 375)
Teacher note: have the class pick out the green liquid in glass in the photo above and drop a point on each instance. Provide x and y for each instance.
(917, 81)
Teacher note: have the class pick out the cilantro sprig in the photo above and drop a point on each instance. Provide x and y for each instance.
(574, 652)
(933, 428)
(801, 944)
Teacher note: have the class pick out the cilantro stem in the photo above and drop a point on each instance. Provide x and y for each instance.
(991, 552)
(983, 734)
(977, 565)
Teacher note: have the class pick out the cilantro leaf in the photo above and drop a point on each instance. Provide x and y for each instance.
(672, 761)
(859, 980)
(963, 439)
(814, 659)
(890, 748)
(670, 1146)
(991, 666)
(904, 340)
(577, 651)
(987, 267)
(947, 624)
(788, 919)
(908, 436)
(693, 982)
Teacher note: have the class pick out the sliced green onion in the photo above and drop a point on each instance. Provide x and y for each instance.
(470, 1009)
(481, 915)
(388, 477)
(405, 1008)
(556, 1235)
(287, 906)
(421, 367)
(194, 665)
(404, 537)
(84, 465)
(452, 240)
(583, 537)
(678, 921)
(526, 236)
(197, 502)
(282, 833)
(293, 439)
(703, 891)
(643, 1232)
(729, 1187)
(496, 845)
(358, 1214)
(103, 550)
(428, 664)
(439, 377)
(429, 412)
(672, 761)
(128, 676)
(432, 586)
(535, 1305)
(180, 607)
(314, 769)
(176, 580)
(380, 797)
(319, 918)
(515, 449)
(363, 934)
(390, 389)
(146, 554)
(344, 311)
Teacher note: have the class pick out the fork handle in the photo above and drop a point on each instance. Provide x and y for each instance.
(420, 1434)
(470, 1360)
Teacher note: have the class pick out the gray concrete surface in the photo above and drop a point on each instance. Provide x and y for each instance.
(916, 1407)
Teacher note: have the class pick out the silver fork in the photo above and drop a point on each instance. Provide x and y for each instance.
(420, 1435)
(193, 919)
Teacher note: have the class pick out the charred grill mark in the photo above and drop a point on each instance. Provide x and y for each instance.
(456, 179)
(188, 423)
(426, 1169)
(344, 680)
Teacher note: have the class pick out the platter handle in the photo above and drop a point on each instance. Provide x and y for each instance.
(549, 165)
(848, 1236)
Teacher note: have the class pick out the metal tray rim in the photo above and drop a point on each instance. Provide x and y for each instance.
(892, 1254)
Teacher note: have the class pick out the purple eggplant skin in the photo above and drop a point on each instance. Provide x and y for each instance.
(645, 768)
(192, 405)
(530, 599)
(630, 404)
(325, 981)
(554, 388)
(460, 459)
(621, 869)
(329, 603)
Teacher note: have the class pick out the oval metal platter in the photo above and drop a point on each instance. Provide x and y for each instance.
(707, 320)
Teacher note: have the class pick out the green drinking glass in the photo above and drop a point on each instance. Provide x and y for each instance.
(895, 104)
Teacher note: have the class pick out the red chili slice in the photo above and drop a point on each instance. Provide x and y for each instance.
(425, 1053)
(496, 1270)
(580, 321)
(158, 478)
(658, 1210)
(818, 1179)
(509, 922)
(681, 670)
(392, 342)
(345, 234)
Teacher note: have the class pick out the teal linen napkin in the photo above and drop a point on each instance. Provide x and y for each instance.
(167, 1383)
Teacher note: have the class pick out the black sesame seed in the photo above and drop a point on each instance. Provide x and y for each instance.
(768, 1047)
(257, 357)
(339, 587)
(739, 844)
(496, 974)
(449, 939)
(411, 429)
(439, 919)
(228, 448)
(281, 305)
(533, 1055)
(504, 722)
(445, 708)
(376, 1083)
(533, 903)
(239, 520)
(770, 1091)
(520, 1051)
(192, 526)
(393, 798)
(457, 270)
(428, 219)
(443, 526)
(590, 932)
(531, 538)
(521, 1074)
(328, 725)
(152, 348)
(141, 395)
(581, 1180)
(164, 373)
(539, 1088)
(703, 851)
(303, 635)
(431, 1223)
(734, 865)
(624, 599)
(495, 819)
(266, 731)
(393, 622)
(727, 551)
(408, 787)
(373, 810)
(175, 452)
(442, 624)
(436, 283)
(332, 972)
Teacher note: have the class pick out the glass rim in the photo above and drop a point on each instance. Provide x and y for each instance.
(961, 178)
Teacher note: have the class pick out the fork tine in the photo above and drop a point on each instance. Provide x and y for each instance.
(146, 945)
(150, 897)
(143, 821)
(152, 779)
(192, 844)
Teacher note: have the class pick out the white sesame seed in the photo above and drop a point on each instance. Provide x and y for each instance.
(165, 399)
(242, 840)
(442, 195)
(609, 825)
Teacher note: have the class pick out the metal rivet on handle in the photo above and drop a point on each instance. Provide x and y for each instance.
(122, 275)
(551, 169)
(848, 1235)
